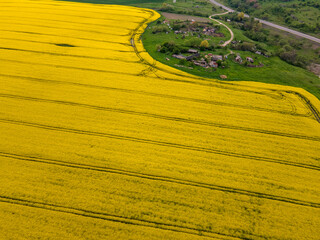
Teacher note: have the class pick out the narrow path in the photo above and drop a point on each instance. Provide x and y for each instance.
(232, 35)
(296, 33)
(230, 52)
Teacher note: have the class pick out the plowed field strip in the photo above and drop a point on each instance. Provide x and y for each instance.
(210, 102)
(170, 118)
(107, 17)
(270, 94)
(12, 24)
(114, 218)
(136, 11)
(52, 43)
(213, 187)
(44, 20)
(159, 143)
(67, 55)
(54, 35)
(69, 67)
(63, 21)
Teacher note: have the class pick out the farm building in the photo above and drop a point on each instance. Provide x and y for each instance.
(238, 59)
(194, 51)
(249, 59)
(217, 57)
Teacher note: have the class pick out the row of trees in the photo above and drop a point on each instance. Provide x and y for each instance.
(175, 48)
(282, 10)
(287, 50)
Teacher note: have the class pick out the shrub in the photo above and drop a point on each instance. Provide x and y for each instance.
(166, 7)
(193, 42)
(183, 62)
(204, 44)
(184, 49)
(169, 45)
(163, 49)
(293, 58)
(176, 50)
(287, 48)
(160, 28)
(246, 46)
(176, 27)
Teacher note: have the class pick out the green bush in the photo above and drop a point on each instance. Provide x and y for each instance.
(193, 42)
(160, 28)
(164, 50)
(183, 62)
(169, 45)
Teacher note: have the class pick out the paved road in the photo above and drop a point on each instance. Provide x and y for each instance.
(299, 34)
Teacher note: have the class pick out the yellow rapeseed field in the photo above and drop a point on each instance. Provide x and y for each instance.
(100, 141)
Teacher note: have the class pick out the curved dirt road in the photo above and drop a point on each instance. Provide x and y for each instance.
(232, 35)
(299, 34)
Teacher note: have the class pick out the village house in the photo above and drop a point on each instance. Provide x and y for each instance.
(196, 55)
(249, 59)
(194, 51)
(213, 64)
(217, 57)
(207, 56)
(238, 59)
(201, 63)
(210, 62)
(179, 56)
(208, 31)
(188, 58)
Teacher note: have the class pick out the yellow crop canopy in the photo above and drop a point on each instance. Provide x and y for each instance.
(100, 141)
